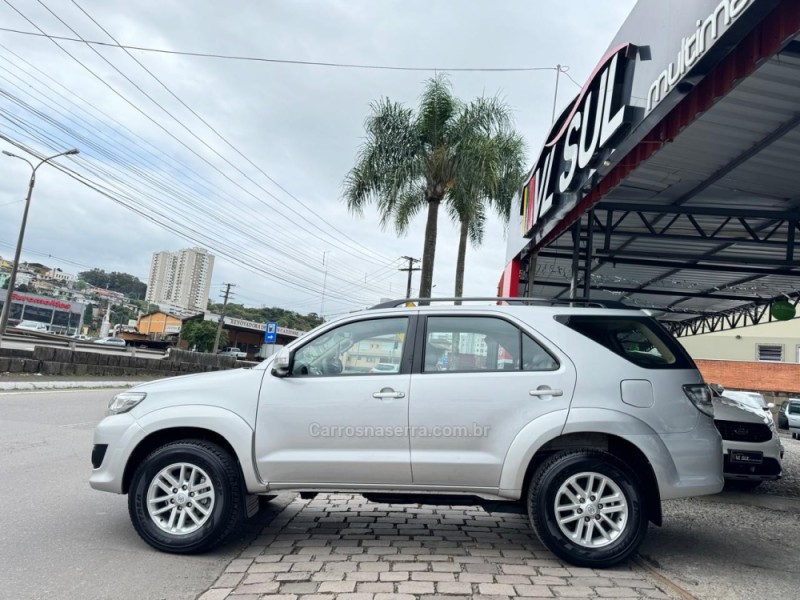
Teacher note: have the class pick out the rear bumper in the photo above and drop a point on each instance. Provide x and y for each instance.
(697, 458)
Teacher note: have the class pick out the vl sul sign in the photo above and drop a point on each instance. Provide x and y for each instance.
(581, 138)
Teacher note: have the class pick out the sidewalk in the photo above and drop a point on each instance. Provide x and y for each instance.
(342, 546)
(18, 382)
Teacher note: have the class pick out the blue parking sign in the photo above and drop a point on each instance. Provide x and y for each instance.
(271, 333)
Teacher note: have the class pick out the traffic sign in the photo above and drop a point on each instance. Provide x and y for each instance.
(271, 333)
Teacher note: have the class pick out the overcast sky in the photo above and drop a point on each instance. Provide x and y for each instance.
(299, 125)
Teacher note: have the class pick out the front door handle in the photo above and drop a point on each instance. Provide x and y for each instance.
(543, 390)
(388, 393)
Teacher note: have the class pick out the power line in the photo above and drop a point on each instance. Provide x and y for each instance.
(212, 128)
(155, 179)
(257, 266)
(334, 241)
(278, 60)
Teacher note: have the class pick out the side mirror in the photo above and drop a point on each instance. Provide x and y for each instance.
(282, 365)
(717, 389)
(770, 405)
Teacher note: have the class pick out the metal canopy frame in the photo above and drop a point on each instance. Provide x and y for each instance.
(707, 233)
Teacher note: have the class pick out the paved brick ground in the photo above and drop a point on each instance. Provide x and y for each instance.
(342, 546)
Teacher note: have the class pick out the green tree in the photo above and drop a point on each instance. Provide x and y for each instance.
(414, 160)
(283, 317)
(117, 282)
(88, 316)
(498, 162)
(201, 334)
(121, 315)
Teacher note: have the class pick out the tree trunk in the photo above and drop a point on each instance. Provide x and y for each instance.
(429, 250)
(462, 255)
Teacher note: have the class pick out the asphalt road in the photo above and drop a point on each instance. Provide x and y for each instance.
(61, 539)
(734, 545)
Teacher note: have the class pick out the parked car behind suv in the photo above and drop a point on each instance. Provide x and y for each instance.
(590, 416)
(752, 451)
(791, 409)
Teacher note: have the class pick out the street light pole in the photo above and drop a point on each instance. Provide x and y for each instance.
(15, 265)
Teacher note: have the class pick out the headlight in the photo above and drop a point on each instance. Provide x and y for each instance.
(700, 395)
(124, 401)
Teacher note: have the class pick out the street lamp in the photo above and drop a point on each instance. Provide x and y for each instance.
(15, 265)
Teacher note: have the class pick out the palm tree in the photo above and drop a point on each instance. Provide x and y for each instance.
(497, 171)
(413, 160)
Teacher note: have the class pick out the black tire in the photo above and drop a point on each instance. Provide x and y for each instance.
(542, 512)
(227, 510)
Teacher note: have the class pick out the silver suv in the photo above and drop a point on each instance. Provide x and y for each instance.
(590, 416)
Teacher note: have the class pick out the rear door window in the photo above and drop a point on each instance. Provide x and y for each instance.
(641, 340)
(479, 343)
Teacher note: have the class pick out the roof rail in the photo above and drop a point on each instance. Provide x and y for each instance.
(523, 301)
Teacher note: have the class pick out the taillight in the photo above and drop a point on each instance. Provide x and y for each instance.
(700, 395)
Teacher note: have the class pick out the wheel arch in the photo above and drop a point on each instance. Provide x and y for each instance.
(209, 423)
(619, 447)
(165, 436)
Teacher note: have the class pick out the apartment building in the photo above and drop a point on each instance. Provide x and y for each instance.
(181, 278)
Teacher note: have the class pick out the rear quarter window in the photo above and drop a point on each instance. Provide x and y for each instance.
(640, 340)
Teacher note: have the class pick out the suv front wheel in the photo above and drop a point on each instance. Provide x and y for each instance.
(587, 507)
(186, 497)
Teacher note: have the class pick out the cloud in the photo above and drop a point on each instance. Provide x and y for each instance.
(302, 125)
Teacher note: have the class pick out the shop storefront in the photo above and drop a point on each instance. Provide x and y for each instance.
(59, 315)
(670, 181)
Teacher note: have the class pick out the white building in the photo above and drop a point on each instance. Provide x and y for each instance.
(181, 278)
(59, 275)
(778, 341)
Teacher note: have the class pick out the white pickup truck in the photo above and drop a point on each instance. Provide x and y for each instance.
(233, 351)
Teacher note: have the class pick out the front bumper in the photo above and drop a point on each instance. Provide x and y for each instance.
(770, 467)
(119, 434)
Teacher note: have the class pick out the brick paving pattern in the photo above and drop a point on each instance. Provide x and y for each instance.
(342, 546)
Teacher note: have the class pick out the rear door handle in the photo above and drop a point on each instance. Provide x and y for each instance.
(543, 390)
(388, 393)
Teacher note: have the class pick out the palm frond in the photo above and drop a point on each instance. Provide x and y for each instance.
(409, 205)
(390, 159)
(437, 109)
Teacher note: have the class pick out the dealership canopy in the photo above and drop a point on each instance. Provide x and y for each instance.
(672, 181)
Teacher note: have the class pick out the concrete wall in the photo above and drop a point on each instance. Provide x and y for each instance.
(65, 362)
(742, 343)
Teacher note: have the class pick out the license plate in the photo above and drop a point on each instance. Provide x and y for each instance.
(750, 458)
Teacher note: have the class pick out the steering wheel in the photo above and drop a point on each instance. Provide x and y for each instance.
(332, 365)
(305, 369)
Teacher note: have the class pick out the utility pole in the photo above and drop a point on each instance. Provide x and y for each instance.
(225, 297)
(15, 265)
(324, 285)
(410, 268)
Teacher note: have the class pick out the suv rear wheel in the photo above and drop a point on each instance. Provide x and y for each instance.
(587, 507)
(186, 497)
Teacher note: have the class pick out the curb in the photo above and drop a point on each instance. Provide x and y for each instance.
(9, 386)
